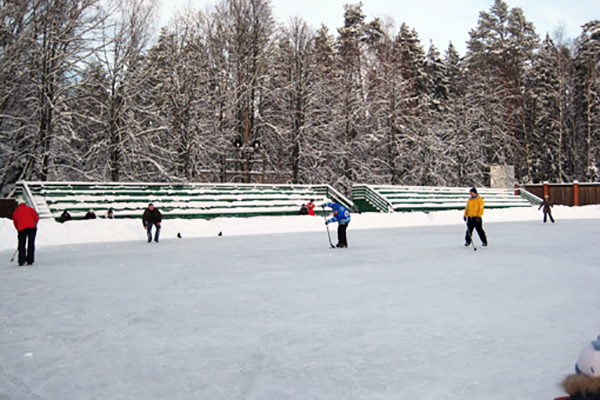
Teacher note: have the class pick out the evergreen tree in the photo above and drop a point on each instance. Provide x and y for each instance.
(242, 40)
(466, 161)
(292, 97)
(587, 100)
(544, 113)
(499, 51)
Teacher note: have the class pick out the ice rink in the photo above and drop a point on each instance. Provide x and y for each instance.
(403, 313)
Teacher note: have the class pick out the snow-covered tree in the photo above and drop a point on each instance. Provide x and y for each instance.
(545, 113)
(500, 49)
(44, 46)
(587, 100)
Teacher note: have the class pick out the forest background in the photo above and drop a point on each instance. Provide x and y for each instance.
(92, 90)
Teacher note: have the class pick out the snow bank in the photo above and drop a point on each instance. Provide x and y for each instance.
(51, 233)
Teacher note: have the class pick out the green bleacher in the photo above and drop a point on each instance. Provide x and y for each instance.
(193, 200)
(381, 198)
(201, 200)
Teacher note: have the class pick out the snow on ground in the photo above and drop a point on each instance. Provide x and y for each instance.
(268, 311)
(102, 230)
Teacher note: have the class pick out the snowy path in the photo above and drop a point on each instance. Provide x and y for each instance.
(404, 313)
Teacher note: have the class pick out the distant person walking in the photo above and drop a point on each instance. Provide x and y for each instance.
(25, 220)
(152, 217)
(473, 216)
(547, 204)
(342, 217)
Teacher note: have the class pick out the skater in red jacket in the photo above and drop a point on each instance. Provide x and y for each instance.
(25, 219)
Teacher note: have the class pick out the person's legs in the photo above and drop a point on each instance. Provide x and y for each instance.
(545, 215)
(157, 232)
(31, 244)
(149, 232)
(342, 240)
(469, 234)
(551, 219)
(22, 241)
(480, 232)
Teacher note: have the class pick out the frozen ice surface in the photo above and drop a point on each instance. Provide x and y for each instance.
(405, 312)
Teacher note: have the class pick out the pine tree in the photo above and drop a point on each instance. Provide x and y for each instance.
(292, 97)
(499, 52)
(466, 161)
(351, 106)
(243, 34)
(385, 90)
(545, 108)
(587, 99)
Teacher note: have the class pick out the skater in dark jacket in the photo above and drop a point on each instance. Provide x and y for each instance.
(585, 383)
(152, 217)
(342, 217)
(25, 220)
(547, 208)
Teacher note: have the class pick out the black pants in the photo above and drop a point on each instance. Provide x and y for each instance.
(27, 237)
(549, 215)
(342, 240)
(472, 223)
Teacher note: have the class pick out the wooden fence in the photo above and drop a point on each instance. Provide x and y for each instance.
(567, 194)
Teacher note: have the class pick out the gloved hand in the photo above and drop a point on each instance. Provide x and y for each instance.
(326, 222)
(464, 218)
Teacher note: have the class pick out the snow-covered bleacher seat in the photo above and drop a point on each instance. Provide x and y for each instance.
(192, 200)
(379, 198)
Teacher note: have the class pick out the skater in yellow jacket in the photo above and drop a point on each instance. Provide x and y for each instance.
(473, 214)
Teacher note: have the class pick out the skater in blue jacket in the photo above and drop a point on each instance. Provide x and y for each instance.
(342, 217)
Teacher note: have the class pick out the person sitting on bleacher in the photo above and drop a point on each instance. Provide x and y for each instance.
(303, 210)
(90, 215)
(65, 216)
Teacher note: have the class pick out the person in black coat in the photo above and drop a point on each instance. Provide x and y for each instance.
(303, 210)
(152, 217)
(90, 215)
(65, 216)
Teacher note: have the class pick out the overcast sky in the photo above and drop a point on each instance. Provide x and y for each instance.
(441, 21)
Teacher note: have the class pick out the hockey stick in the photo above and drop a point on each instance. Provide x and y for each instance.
(471, 235)
(14, 255)
(327, 226)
